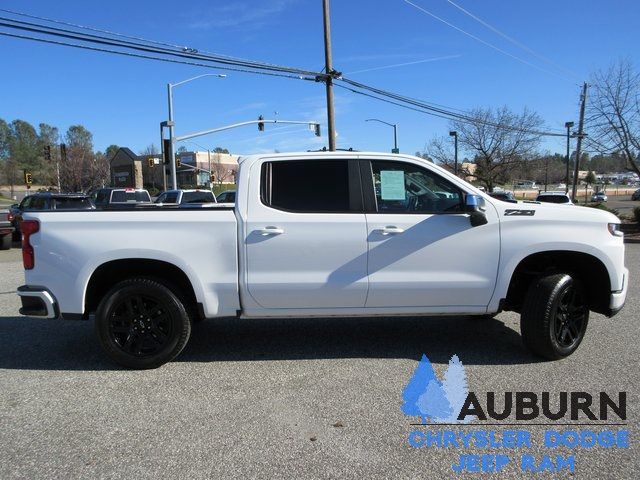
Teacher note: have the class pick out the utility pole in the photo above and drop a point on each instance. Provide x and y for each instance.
(331, 126)
(455, 140)
(583, 103)
(568, 126)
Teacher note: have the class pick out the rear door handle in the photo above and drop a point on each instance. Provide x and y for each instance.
(271, 231)
(391, 230)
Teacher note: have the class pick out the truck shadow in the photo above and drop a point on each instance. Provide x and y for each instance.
(481, 342)
(64, 345)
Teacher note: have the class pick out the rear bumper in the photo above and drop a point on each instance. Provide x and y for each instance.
(38, 302)
(618, 298)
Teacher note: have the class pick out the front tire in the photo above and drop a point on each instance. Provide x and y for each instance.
(554, 317)
(142, 324)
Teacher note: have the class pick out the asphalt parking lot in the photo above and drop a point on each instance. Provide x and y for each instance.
(282, 398)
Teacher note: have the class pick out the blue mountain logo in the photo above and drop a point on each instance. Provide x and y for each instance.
(436, 401)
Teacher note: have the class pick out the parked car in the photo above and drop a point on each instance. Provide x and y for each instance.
(636, 195)
(48, 201)
(6, 229)
(504, 196)
(181, 197)
(292, 247)
(599, 197)
(228, 196)
(554, 197)
(105, 197)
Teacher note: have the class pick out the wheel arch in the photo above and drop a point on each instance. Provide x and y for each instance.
(587, 268)
(106, 275)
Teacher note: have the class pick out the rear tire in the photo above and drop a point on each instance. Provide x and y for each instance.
(5, 242)
(142, 324)
(554, 317)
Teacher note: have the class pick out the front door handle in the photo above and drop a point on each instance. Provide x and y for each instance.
(391, 230)
(271, 231)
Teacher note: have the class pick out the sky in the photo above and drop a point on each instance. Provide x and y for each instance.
(533, 54)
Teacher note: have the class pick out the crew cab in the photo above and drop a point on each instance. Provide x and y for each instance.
(325, 234)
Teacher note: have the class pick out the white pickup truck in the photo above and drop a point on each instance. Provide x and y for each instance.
(325, 234)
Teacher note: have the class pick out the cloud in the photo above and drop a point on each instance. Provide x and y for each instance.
(253, 106)
(241, 13)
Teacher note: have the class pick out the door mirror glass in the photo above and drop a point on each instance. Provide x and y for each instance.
(474, 203)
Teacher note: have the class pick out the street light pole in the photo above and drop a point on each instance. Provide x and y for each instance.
(170, 154)
(395, 132)
(568, 126)
(454, 134)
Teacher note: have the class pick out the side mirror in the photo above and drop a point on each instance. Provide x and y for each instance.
(474, 205)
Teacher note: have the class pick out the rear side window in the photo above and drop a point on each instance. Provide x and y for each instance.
(198, 197)
(71, 203)
(311, 186)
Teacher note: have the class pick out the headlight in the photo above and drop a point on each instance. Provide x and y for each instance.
(614, 229)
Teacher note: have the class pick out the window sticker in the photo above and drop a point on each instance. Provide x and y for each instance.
(392, 185)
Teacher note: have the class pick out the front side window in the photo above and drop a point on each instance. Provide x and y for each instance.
(407, 188)
(310, 186)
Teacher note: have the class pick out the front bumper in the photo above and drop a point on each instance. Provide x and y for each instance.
(618, 298)
(38, 302)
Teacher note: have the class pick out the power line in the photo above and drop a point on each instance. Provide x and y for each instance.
(444, 113)
(510, 39)
(116, 34)
(146, 57)
(85, 37)
(484, 42)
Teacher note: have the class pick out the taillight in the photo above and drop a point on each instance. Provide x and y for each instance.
(10, 217)
(28, 227)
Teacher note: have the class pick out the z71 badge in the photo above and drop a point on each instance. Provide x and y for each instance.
(514, 212)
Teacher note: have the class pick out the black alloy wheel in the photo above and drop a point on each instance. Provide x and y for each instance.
(141, 323)
(555, 315)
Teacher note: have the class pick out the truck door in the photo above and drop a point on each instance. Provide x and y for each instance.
(423, 251)
(305, 236)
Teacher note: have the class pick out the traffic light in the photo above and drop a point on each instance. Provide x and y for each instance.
(47, 153)
(316, 129)
(178, 162)
(150, 162)
(28, 178)
(260, 124)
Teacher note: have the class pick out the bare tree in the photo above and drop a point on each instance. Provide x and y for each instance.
(498, 140)
(613, 118)
(151, 149)
(222, 172)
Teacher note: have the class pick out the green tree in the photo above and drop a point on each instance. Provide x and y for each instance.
(48, 136)
(77, 170)
(110, 152)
